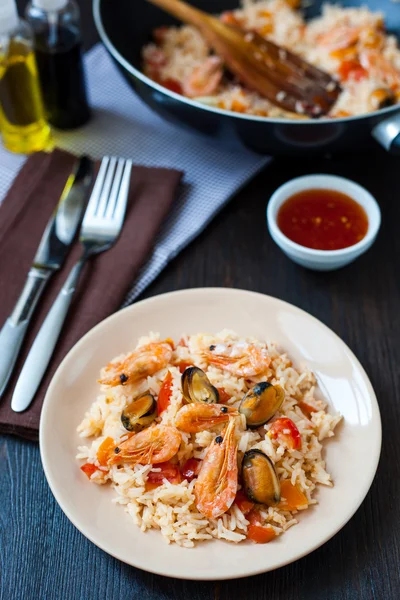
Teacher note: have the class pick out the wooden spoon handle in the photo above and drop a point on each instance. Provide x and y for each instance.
(184, 12)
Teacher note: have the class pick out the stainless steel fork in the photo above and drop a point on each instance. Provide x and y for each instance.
(100, 229)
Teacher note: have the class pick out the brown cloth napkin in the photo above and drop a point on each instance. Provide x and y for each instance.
(106, 279)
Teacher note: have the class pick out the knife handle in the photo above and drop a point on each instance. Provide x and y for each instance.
(42, 348)
(13, 331)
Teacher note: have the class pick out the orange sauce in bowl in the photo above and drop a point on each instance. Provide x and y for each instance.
(322, 220)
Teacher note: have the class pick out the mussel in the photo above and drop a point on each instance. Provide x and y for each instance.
(196, 387)
(261, 403)
(259, 478)
(139, 413)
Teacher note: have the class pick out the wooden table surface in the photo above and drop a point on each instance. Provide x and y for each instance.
(43, 556)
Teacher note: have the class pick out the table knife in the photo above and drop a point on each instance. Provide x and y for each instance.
(50, 255)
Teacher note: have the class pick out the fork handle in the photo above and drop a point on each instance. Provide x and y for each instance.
(42, 348)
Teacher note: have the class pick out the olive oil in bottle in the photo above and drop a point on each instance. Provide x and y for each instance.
(56, 26)
(22, 121)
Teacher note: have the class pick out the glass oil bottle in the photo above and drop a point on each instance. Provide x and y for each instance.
(22, 119)
(58, 50)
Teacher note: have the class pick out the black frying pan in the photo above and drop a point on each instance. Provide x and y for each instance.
(126, 25)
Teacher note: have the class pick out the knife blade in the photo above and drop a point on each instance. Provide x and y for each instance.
(50, 255)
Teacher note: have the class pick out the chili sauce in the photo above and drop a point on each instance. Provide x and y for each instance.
(322, 219)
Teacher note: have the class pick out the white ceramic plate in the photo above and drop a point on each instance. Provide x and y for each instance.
(352, 456)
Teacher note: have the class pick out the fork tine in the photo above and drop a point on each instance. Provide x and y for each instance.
(115, 189)
(95, 195)
(105, 192)
(123, 193)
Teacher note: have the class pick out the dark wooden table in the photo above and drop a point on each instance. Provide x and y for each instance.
(43, 557)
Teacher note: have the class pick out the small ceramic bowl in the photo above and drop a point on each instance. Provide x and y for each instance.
(323, 260)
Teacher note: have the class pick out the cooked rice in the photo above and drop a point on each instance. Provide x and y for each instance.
(178, 51)
(171, 507)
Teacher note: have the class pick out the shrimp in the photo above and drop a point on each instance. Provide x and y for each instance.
(240, 359)
(380, 67)
(141, 363)
(340, 37)
(205, 78)
(193, 418)
(149, 447)
(216, 486)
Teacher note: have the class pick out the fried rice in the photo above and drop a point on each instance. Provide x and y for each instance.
(171, 507)
(349, 43)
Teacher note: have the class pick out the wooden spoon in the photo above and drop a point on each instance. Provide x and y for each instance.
(282, 77)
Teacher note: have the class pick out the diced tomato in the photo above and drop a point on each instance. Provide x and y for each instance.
(340, 114)
(293, 497)
(307, 409)
(346, 67)
(238, 106)
(105, 448)
(173, 85)
(243, 503)
(168, 471)
(224, 397)
(89, 469)
(159, 33)
(153, 71)
(353, 69)
(182, 366)
(182, 342)
(285, 430)
(151, 485)
(254, 516)
(164, 396)
(261, 534)
(191, 469)
(265, 14)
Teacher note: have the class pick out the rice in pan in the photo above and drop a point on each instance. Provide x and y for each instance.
(349, 43)
(189, 496)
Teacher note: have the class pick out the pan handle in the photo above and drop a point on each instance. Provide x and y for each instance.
(387, 133)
